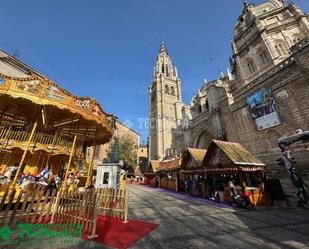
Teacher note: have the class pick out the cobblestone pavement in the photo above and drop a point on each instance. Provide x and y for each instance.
(184, 223)
(189, 223)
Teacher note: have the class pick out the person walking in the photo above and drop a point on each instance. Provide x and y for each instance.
(186, 186)
(190, 183)
(195, 186)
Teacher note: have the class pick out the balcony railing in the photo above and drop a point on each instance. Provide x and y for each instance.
(7, 134)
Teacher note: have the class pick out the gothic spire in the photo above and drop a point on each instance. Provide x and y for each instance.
(163, 48)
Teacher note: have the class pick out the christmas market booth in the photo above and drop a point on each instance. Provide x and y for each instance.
(230, 162)
(45, 132)
(150, 177)
(167, 174)
(191, 167)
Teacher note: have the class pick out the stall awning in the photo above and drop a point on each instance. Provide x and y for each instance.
(223, 156)
(224, 170)
(240, 169)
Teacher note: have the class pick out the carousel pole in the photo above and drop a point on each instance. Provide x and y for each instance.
(69, 163)
(24, 154)
(89, 174)
(51, 151)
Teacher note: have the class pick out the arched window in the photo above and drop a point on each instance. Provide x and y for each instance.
(251, 67)
(172, 90)
(162, 68)
(206, 105)
(167, 90)
(199, 108)
(264, 57)
(281, 49)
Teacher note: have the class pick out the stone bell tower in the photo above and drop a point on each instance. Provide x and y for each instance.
(165, 103)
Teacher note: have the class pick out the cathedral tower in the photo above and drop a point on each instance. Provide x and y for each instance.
(165, 103)
(263, 37)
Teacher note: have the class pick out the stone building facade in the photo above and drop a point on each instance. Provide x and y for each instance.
(201, 118)
(142, 154)
(165, 102)
(271, 61)
(274, 39)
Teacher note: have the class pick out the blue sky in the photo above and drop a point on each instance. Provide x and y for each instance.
(106, 49)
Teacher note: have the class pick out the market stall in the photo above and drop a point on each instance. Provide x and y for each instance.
(230, 162)
(167, 174)
(151, 174)
(191, 167)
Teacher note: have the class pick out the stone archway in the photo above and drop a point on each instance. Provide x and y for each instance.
(203, 140)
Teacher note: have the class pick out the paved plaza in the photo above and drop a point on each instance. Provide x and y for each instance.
(186, 222)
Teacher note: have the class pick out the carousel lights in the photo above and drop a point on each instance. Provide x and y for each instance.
(43, 116)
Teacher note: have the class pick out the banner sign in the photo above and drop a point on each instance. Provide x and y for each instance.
(263, 109)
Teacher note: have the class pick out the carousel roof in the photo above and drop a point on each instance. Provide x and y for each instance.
(25, 89)
(235, 152)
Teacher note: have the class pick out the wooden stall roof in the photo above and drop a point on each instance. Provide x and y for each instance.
(223, 155)
(169, 165)
(197, 155)
(153, 166)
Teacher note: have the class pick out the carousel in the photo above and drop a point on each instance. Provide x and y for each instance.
(45, 132)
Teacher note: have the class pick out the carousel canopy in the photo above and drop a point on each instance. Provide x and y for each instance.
(228, 156)
(26, 97)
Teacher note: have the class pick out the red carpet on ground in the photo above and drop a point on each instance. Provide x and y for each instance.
(115, 233)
